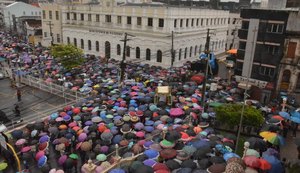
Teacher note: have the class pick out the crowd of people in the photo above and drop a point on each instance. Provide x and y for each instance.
(128, 122)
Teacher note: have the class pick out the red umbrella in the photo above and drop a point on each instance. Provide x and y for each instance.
(25, 149)
(278, 117)
(264, 164)
(252, 161)
(198, 79)
(39, 155)
(168, 153)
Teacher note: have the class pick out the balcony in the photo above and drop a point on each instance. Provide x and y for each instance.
(270, 37)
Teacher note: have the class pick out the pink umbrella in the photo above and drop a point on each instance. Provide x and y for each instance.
(78, 145)
(62, 159)
(20, 141)
(75, 88)
(133, 93)
(39, 155)
(82, 137)
(72, 124)
(25, 149)
(176, 112)
(59, 119)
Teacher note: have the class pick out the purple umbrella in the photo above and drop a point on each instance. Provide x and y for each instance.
(45, 138)
(62, 159)
(176, 112)
(88, 123)
(82, 137)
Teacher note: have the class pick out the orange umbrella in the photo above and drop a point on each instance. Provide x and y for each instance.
(278, 117)
(232, 51)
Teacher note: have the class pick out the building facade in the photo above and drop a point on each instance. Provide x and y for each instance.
(16, 10)
(261, 47)
(51, 23)
(289, 75)
(99, 29)
(234, 24)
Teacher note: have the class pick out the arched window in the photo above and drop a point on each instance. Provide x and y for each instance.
(219, 44)
(75, 42)
(81, 43)
(200, 49)
(148, 54)
(212, 45)
(107, 50)
(89, 44)
(185, 53)
(159, 56)
(179, 55)
(118, 49)
(127, 51)
(222, 43)
(191, 51)
(68, 40)
(137, 53)
(175, 52)
(97, 46)
(196, 50)
(286, 76)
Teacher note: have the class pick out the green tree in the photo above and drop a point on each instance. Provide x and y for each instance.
(68, 55)
(230, 114)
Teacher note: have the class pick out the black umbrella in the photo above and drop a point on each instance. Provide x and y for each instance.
(172, 136)
(172, 164)
(189, 164)
(216, 159)
(39, 126)
(270, 127)
(144, 169)
(17, 134)
(257, 143)
(199, 154)
(68, 163)
(204, 163)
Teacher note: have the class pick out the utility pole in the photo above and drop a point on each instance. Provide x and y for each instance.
(172, 51)
(123, 62)
(207, 52)
(50, 24)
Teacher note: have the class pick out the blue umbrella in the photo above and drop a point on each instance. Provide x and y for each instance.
(295, 114)
(295, 119)
(276, 164)
(42, 161)
(227, 156)
(54, 116)
(45, 138)
(200, 144)
(17, 134)
(284, 115)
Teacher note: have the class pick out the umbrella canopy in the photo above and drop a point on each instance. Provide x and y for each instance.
(264, 164)
(3, 166)
(26, 149)
(295, 119)
(20, 141)
(86, 146)
(73, 156)
(42, 161)
(39, 155)
(62, 159)
(273, 138)
(43, 139)
(257, 143)
(197, 78)
(217, 168)
(175, 112)
(285, 115)
(252, 161)
(232, 51)
(234, 167)
(278, 117)
(276, 165)
(168, 153)
(227, 156)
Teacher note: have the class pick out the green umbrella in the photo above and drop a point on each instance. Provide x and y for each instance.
(215, 104)
(3, 166)
(101, 157)
(73, 156)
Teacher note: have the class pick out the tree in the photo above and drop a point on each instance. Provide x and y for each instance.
(68, 55)
(230, 114)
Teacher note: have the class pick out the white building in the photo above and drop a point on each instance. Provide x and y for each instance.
(18, 9)
(98, 30)
(234, 24)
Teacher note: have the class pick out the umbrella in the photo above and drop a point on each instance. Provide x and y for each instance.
(232, 51)
(189, 149)
(295, 119)
(73, 156)
(234, 167)
(271, 152)
(53, 130)
(86, 146)
(17, 134)
(257, 143)
(227, 156)
(69, 163)
(42, 161)
(197, 78)
(168, 153)
(175, 112)
(273, 121)
(43, 139)
(96, 119)
(20, 141)
(217, 168)
(273, 138)
(39, 155)
(82, 137)
(25, 149)
(43, 146)
(284, 115)
(278, 117)
(276, 165)
(172, 164)
(264, 164)
(101, 157)
(3, 166)
(252, 161)
(252, 152)
(62, 159)
(216, 159)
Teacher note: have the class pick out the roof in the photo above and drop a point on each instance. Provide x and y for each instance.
(22, 4)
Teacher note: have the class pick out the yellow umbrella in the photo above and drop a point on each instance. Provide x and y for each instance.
(267, 134)
(96, 86)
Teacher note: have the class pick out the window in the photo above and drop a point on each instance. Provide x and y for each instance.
(44, 14)
(58, 38)
(75, 42)
(148, 54)
(196, 50)
(89, 17)
(119, 20)
(127, 51)
(200, 49)
(272, 49)
(45, 34)
(185, 52)
(242, 45)
(192, 23)
(187, 23)
(228, 20)
(137, 53)
(207, 20)
(267, 71)
(81, 43)
(118, 49)
(74, 16)
(234, 21)
(68, 40)
(179, 55)
(107, 50)
(150, 21)
(245, 24)
(128, 20)
(291, 49)
(161, 23)
(197, 22)
(82, 17)
(97, 18)
(68, 16)
(56, 15)
(286, 76)
(89, 45)
(191, 51)
(50, 14)
(275, 28)
(159, 56)
(181, 22)
(97, 46)
(108, 18)
(24, 13)
(175, 23)
(201, 22)
(139, 21)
